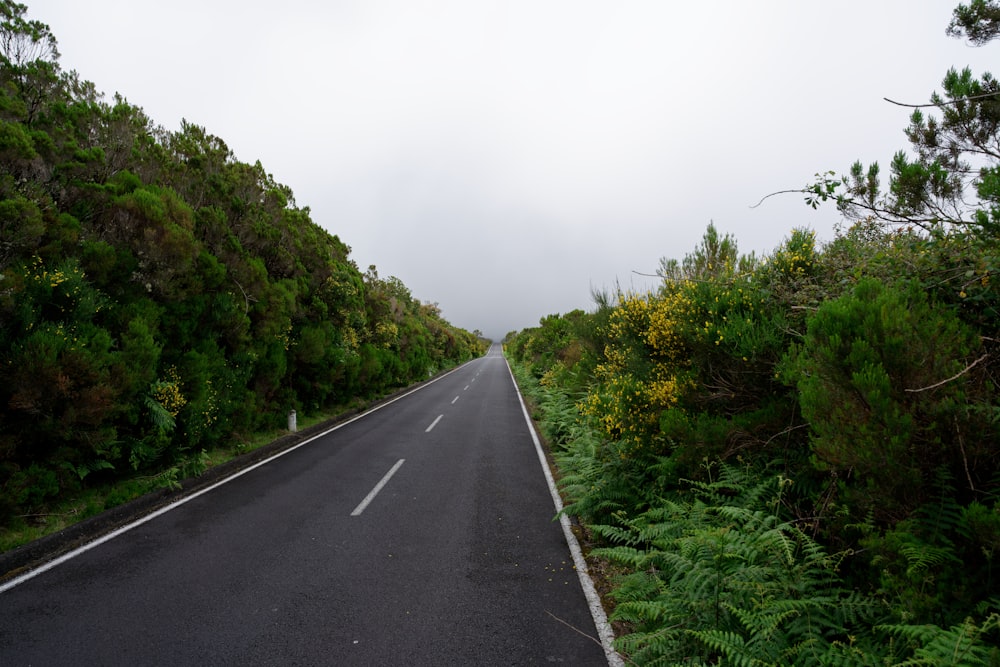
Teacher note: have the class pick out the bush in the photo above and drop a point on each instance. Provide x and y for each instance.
(880, 382)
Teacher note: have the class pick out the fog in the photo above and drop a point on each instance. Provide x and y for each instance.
(503, 159)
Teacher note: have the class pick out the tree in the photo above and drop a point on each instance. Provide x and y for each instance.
(158, 296)
(979, 21)
(22, 41)
(28, 56)
(868, 374)
(954, 177)
(714, 257)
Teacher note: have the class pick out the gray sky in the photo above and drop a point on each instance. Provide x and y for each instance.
(502, 158)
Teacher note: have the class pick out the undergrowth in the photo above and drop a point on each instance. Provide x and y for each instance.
(717, 572)
(94, 498)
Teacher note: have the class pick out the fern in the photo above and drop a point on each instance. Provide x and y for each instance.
(85, 469)
(733, 646)
(717, 575)
(961, 645)
(943, 517)
(596, 480)
(739, 585)
(934, 566)
(159, 416)
(923, 557)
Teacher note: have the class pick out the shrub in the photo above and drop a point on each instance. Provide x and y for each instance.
(880, 383)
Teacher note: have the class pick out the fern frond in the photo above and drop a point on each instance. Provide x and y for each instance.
(729, 644)
(764, 622)
(959, 646)
(922, 557)
(624, 555)
(159, 415)
(617, 534)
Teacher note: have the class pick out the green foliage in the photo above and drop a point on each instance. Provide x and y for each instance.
(722, 577)
(159, 297)
(868, 386)
(979, 21)
(963, 645)
(714, 258)
(864, 370)
(951, 179)
(867, 372)
(562, 350)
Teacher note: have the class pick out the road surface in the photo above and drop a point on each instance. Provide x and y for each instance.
(419, 534)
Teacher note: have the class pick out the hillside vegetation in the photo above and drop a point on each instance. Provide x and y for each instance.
(793, 459)
(159, 297)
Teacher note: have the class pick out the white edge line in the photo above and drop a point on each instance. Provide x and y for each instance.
(607, 635)
(45, 567)
(434, 423)
(378, 487)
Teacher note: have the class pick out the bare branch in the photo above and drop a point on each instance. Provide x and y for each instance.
(247, 298)
(784, 432)
(574, 628)
(954, 377)
(941, 104)
(780, 192)
(685, 279)
(965, 458)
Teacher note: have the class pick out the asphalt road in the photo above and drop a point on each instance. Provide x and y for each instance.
(454, 559)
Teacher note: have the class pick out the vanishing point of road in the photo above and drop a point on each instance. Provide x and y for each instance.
(421, 533)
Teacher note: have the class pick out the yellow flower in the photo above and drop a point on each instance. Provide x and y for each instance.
(168, 393)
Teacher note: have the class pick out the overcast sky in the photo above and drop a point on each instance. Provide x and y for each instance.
(503, 158)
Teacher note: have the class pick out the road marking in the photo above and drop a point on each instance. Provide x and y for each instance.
(48, 565)
(466, 388)
(378, 487)
(604, 630)
(454, 400)
(433, 424)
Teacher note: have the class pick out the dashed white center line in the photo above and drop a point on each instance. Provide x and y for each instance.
(433, 424)
(466, 388)
(378, 487)
(454, 400)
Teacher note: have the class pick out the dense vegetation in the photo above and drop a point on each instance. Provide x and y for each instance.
(793, 459)
(158, 297)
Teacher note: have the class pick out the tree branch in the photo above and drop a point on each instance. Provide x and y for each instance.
(941, 104)
(954, 377)
(965, 458)
(786, 431)
(247, 298)
(779, 192)
(578, 630)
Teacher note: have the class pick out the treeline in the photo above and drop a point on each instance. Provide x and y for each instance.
(795, 458)
(158, 297)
